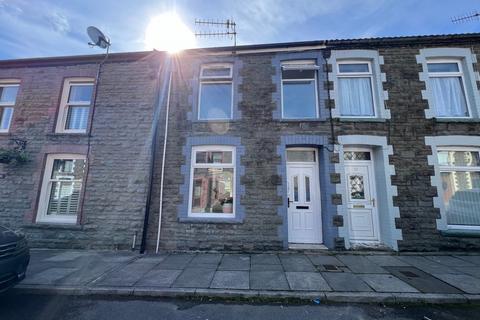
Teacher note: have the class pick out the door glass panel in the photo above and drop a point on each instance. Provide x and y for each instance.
(300, 156)
(356, 155)
(357, 189)
(295, 189)
(307, 189)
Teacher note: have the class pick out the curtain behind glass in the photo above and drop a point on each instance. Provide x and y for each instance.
(449, 97)
(356, 96)
(461, 196)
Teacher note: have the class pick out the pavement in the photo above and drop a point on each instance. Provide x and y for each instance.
(325, 277)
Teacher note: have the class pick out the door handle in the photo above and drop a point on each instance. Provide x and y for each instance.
(288, 202)
(373, 202)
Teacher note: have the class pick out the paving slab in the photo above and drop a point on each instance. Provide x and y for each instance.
(203, 259)
(463, 282)
(87, 273)
(422, 281)
(158, 278)
(473, 271)
(297, 263)
(360, 264)
(49, 276)
(345, 282)
(175, 261)
(231, 280)
(194, 278)
(264, 259)
(386, 283)
(472, 259)
(66, 256)
(266, 267)
(323, 259)
(450, 261)
(234, 262)
(427, 265)
(309, 281)
(126, 276)
(387, 261)
(268, 280)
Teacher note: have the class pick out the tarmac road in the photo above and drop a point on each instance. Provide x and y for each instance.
(15, 306)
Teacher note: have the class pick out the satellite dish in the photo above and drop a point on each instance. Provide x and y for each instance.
(98, 38)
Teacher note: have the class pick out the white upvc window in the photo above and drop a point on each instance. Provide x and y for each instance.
(61, 188)
(212, 182)
(356, 88)
(75, 105)
(447, 83)
(459, 169)
(8, 96)
(299, 90)
(215, 96)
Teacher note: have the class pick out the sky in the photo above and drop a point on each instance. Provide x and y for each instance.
(39, 28)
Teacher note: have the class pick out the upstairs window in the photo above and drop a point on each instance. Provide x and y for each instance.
(8, 96)
(355, 80)
(460, 177)
(212, 186)
(75, 106)
(448, 88)
(216, 92)
(299, 90)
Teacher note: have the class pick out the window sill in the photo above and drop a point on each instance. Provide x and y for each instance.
(457, 119)
(361, 119)
(469, 233)
(303, 120)
(209, 220)
(53, 225)
(66, 134)
(215, 121)
(5, 133)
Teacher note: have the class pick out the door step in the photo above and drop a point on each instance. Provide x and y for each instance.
(306, 246)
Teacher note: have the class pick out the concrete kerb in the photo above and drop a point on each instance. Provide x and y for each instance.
(254, 295)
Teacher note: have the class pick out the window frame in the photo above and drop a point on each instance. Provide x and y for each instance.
(194, 165)
(460, 73)
(64, 104)
(216, 80)
(447, 168)
(290, 66)
(4, 105)
(368, 74)
(45, 191)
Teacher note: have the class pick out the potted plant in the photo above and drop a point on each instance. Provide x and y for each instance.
(15, 155)
(228, 205)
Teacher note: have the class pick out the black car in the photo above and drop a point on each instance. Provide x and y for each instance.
(14, 257)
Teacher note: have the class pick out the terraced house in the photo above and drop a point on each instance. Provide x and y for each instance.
(338, 144)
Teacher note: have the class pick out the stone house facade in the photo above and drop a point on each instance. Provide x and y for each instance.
(338, 144)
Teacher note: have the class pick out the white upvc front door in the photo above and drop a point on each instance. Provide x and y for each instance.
(304, 211)
(361, 201)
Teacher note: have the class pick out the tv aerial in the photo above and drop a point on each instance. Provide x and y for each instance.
(221, 28)
(98, 38)
(472, 16)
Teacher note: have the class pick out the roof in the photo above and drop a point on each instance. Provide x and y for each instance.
(338, 43)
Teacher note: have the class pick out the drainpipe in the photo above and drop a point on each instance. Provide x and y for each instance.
(153, 146)
(167, 111)
(326, 53)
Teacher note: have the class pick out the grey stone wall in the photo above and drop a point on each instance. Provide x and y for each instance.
(260, 134)
(114, 197)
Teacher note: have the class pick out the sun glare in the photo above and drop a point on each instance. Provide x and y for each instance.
(167, 32)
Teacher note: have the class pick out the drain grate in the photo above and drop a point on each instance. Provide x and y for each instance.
(331, 268)
(421, 280)
(409, 274)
